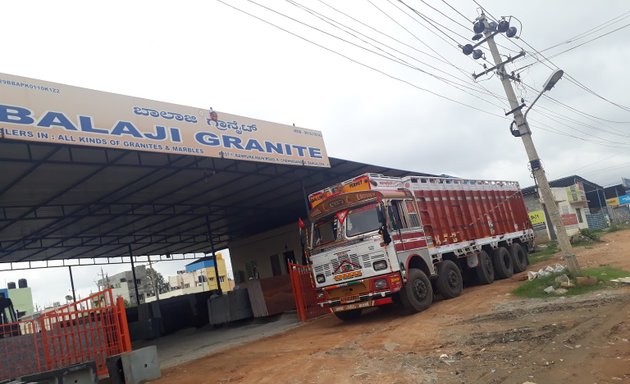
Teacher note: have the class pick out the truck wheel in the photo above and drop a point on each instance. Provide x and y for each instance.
(350, 315)
(449, 282)
(502, 261)
(519, 258)
(485, 269)
(417, 294)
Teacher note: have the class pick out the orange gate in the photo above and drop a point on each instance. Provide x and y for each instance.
(91, 329)
(305, 292)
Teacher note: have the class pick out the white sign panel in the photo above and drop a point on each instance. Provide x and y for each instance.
(36, 110)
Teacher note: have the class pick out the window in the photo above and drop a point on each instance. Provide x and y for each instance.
(397, 215)
(578, 212)
(325, 231)
(414, 221)
(362, 220)
(275, 265)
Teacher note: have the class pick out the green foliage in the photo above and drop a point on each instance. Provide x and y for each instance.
(618, 227)
(544, 252)
(535, 288)
(586, 237)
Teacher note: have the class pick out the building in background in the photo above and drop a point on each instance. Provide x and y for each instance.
(581, 204)
(199, 276)
(618, 201)
(122, 285)
(21, 296)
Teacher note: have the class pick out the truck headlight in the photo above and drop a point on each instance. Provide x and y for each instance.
(320, 278)
(379, 265)
(380, 284)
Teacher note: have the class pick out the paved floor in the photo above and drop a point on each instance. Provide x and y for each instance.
(194, 343)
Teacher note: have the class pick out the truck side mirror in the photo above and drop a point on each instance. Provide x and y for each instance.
(385, 233)
(383, 229)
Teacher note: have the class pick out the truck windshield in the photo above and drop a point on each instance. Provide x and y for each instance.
(362, 220)
(325, 231)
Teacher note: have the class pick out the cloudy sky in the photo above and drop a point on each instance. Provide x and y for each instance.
(385, 81)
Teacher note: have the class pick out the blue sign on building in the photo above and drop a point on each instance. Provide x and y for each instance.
(625, 199)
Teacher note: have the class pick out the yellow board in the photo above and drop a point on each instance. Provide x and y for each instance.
(537, 217)
(614, 202)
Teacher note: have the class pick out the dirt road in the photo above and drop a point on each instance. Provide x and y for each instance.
(484, 336)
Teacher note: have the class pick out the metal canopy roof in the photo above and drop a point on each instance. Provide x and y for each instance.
(61, 202)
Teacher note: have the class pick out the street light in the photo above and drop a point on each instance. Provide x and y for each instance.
(549, 84)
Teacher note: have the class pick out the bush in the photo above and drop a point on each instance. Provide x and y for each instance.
(585, 237)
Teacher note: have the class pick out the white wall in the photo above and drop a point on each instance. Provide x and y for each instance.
(260, 247)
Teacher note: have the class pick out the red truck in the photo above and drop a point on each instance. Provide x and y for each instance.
(374, 239)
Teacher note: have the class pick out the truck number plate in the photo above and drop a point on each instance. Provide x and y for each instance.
(349, 307)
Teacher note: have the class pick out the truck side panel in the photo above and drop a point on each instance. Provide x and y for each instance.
(455, 212)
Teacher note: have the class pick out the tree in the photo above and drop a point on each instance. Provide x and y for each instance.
(157, 282)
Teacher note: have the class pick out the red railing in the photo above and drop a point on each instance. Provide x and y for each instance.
(91, 329)
(305, 292)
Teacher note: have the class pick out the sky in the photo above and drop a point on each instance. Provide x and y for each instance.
(385, 81)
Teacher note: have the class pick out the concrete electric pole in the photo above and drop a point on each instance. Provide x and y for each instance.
(525, 133)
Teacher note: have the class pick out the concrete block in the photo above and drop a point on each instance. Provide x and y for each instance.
(141, 365)
(84, 373)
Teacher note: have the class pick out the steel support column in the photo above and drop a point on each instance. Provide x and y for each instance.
(74, 294)
(214, 257)
(133, 272)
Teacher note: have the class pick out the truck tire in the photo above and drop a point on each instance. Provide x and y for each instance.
(417, 293)
(350, 315)
(449, 282)
(519, 258)
(485, 269)
(502, 261)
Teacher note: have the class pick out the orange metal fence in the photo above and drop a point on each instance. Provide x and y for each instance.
(305, 292)
(91, 329)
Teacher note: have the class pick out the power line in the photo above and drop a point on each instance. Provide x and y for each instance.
(353, 60)
(337, 24)
(588, 41)
(570, 78)
(454, 9)
(445, 15)
(431, 23)
(597, 28)
(394, 58)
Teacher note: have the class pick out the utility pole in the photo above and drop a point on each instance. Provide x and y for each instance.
(534, 161)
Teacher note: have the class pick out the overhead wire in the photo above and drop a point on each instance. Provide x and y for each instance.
(597, 28)
(339, 25)
(569, 77)
(500, 98)
(454, 9)
(395, 58)
(351, 59)
(441, 30)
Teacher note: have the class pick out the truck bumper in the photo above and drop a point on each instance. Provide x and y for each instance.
(361, 293)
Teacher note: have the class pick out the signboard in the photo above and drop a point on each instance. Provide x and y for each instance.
(575, 193)
(41, 111)
(361, 183)
(625, 199)
(537, 218)
(569, 219)
(613, 202)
